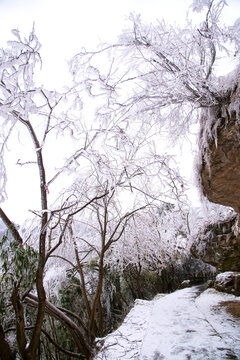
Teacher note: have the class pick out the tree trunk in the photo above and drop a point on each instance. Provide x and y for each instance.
(20, 322)
(6, 352)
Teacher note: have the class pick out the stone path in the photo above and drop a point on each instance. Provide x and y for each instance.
(187, 324)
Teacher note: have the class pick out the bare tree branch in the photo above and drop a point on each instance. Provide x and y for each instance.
(11, 227)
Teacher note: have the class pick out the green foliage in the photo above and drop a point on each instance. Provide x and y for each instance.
(93, 264)
(18, 268)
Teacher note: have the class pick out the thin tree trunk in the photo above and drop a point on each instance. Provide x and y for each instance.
(20, 322)
(5, 350)
(98, 293)
(65, 320)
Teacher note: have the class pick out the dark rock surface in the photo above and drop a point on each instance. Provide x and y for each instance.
(220, 151)
(219, 245)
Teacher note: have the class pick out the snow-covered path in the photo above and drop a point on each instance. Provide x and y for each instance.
(187, 324)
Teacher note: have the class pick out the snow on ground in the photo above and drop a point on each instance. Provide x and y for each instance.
(187, 324)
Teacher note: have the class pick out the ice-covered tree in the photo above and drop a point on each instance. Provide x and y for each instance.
(133, 179)
(104, 170)
(163, 71)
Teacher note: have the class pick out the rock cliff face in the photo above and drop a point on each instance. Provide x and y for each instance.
(220, 151)
(219, 175)
(219, 245)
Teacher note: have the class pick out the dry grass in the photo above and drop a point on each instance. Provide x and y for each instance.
(232, 307)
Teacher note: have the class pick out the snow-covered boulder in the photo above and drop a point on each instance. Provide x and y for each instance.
(185, 284)
(228, 282)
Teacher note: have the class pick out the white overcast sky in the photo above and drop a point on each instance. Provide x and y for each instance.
(65, 26)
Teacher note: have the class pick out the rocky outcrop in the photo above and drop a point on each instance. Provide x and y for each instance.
(220, 152)
(228, 282)
(219, 176)
(219, 245)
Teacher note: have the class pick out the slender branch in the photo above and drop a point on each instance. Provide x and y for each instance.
(20, 321)
(127, 215)
(69, 217)
(68, 312)
(67, 352)
(51, 108)
(58, 314)
(82, 277)
(59, 347)
(11, 227)
(62, 258)
(72, 159)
